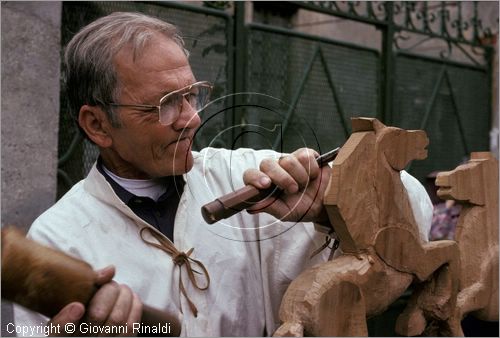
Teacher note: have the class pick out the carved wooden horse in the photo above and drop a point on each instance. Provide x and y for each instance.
(382, 252)
(475, 186)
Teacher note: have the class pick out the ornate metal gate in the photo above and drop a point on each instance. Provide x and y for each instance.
(327, 81)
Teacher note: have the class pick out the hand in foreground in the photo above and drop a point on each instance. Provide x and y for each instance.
(303, 183)
(112, 305)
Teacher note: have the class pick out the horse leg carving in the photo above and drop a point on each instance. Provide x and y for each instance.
(349, 310)
(471, 299)
(327, 300)
(431, 310)
(290, 329)
(435, 300)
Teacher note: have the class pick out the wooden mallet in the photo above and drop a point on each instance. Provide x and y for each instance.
(45, 280)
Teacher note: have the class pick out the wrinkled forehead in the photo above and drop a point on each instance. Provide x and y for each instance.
(161, 63)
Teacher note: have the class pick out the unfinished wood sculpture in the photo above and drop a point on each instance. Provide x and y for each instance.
(382, 252)
(475, 186)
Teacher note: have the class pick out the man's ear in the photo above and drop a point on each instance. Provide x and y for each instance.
(94, 121)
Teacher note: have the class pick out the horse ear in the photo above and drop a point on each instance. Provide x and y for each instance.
(365, 124)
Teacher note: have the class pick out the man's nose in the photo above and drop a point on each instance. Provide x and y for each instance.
(188, 117)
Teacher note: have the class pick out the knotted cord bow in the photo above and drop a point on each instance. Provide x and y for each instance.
(180, 259)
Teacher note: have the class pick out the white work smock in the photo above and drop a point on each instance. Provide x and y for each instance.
(251, 259)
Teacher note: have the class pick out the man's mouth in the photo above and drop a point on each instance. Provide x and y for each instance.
(180, 140)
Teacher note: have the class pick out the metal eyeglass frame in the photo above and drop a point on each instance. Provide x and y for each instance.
(158, 107)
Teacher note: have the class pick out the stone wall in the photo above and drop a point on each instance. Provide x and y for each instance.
(29, 113)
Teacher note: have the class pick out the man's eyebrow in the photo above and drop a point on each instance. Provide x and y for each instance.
(156, 97)
(166, 92)
(170, 91)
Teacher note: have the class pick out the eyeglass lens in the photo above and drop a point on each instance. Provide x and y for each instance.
(197, 98)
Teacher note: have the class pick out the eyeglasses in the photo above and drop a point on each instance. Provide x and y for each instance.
(169, 109)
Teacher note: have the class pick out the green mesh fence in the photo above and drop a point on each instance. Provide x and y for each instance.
(456, 102)
(322, 83)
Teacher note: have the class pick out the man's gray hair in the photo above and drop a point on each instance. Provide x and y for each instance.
(89, 73)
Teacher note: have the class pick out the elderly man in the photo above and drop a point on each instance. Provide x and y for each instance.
(133, 93)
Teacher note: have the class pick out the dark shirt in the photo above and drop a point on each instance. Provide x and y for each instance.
(160, 214)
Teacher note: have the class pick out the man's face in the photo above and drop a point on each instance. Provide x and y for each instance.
(142, 147)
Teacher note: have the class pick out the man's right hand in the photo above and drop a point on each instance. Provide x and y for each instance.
(112, 305)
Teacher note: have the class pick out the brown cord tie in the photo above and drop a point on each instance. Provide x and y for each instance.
(180, 258)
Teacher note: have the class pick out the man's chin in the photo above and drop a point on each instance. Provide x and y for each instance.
(183, 165)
